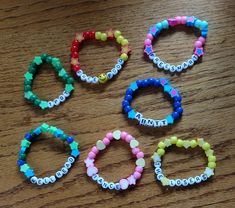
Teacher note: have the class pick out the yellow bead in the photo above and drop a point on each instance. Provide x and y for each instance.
(209, 152)
(103, 78)
(124, 56)
(117, 33)
(193, 143)
(206, 146)
(97, 35)
(161, 145)
(103, 37)
(212, 165)
(124, 42)
(160, 152)
(119, 39)
(179, 143)
(173, 139)
(211, 158)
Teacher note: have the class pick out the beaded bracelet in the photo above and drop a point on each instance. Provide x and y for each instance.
(209, 171)
(25, 144)
(109, 35)
(155, 30)
(124, 183)
(165, 84)
(31, 73)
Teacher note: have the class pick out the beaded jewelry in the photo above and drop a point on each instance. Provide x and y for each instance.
(124, 183)
(31, 73)
(155, 30)
(209, 171)
(25, 144)
(167, 88)
(109, 35)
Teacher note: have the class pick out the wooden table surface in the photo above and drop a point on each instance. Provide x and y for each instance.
(29, 28)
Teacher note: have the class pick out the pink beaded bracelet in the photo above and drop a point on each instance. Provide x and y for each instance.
(124, 183)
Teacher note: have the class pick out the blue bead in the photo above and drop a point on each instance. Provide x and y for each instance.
(177, 104)
(159, 26)
(157, 83)
(175, 115)
(20, 162)
(139, 83)
(28, 136)
(70, 139)
(127, 108)
(170, 119)
(125, 103)
(151, 81)
(37, 131)
(178, 98)
(29, 173)
(180, 110)
(129, 91)
(58, 133)
(128, 98)
(145, 83)
(75, 153)
(22, 150)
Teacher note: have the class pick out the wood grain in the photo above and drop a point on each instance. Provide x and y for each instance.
(29, 28)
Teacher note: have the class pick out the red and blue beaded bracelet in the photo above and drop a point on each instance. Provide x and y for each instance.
(167, 88)
(155, 30)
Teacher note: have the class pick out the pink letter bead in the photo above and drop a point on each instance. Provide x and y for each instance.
(124, 184)
(137, 175)
(140, 155)
(139, 169)
(106, 141)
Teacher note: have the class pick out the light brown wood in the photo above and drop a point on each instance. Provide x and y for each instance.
(29, 28)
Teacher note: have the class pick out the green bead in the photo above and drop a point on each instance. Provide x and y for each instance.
(37, 101)
(25, 143)
(37, 60)
(43, 104)
(28, 76)
(44, 56)
(62, 72)
(27, 82)
(65, 77)
(32, 69)
(32, 98)
(64, 137)
(58, 67)
(22, 156)
(45, 127)
(49, 59)
(69, 88)
(70, 80)
(28, 94)
(27, 88)
(52, 129)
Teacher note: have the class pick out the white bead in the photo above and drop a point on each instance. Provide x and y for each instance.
(100, 180)
(95, 80)
(34, 179)
(158, 170)
(52, 179)
(118, 67)
(179, 68)
(83, 77)
(105, 185)
(62, 98)
(66, 94)
(67, 165)
(79, 73)
(156, 60)
(64, 170)
(184, 65)
(138, 116)
(178, 182)
(95, 177)
(160, 176)
(114, 71)
(203, 177)
(40, 181)
(50, 104)
(194, 57)
(56, 101)
(143, 121)
(157, 164)
(150, 122)
(71, 160)
(163, 122)
(109, 75)
(184, 182)
(46, 180)
(191, 180)
(172, 183)
(173, 68)
(197, 179)
(152, 56)
(89, 79)
(190, 62)
(59, 174)
(117, 186)
(160, 64)
(120, 61)
(167, 66)
(111, 185)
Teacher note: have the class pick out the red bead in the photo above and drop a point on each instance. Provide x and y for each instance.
(75, 43)
(75, 54)
(76, 68)
(74, 48)
(92, 34)
(86, 35)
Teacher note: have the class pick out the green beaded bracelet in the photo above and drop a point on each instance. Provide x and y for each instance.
(31, 73)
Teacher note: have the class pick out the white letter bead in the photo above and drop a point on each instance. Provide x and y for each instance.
(83, 77)
(156, 60)
(160, 64)
(79, 73)
(67, 165)
(109, 75)
(40, 181)
(185, 65)
(120, 61)
(95, 177)
(167, 66)
(56, 101)
(50, 104)
(117, 186)
(203, 177)
(118, 67)
(66, 94)
(52, 179)
(173, 68)
(95, 80)
(89, 79)
(194, 57)
(198, 179)
(111, 185)
(152, 56)
(157, 164)
(62, 98)
(59, 174)
(158, 170)
(105, 185)
(46, 180)
(179, 68)
(184, 182)
(178, 182)
(190, 62)
(100, 180)
(191, 180)
(160, 176)
(34, 179)
(64, 170)
(71, 160)
(172, 183)
(114, 71)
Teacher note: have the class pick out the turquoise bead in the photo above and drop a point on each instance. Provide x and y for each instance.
(159, 26)
(165, 24)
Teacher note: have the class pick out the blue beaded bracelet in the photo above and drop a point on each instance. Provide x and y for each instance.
(165, 84)
(25, 144)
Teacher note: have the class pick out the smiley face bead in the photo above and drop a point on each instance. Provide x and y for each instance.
(102, 78)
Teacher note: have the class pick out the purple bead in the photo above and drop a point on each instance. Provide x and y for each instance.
(70, 139)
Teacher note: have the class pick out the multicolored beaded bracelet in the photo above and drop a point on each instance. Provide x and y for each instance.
(31, 73)
(155, 30)
(109, 35)
(25, 144)
(172, 92)
(209, 171)
(124, 183)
